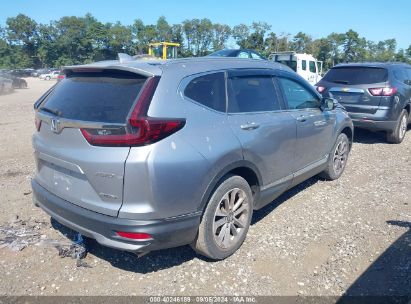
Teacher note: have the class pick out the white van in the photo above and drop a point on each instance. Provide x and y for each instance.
(304, 64)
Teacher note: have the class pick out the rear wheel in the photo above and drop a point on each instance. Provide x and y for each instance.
(397, 135)
(338, 158)
(48, 78)
(226, 219)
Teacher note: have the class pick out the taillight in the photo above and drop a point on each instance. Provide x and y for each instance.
(61, 76)
(386, 91)
(142, 129)
(37, 122)
(320, 89)
(134, 235)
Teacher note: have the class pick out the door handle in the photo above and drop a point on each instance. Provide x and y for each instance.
(250, 126)
(301, 118)
(319, 123)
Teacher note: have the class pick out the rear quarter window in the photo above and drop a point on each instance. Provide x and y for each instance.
(356, 75)
(98, 96)
(208, 90)
(401, 75)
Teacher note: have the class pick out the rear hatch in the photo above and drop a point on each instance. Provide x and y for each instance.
(86, 103)
(351, 85)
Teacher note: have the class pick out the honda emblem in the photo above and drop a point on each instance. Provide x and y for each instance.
(55, 125)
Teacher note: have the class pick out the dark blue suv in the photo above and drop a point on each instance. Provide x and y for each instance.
(377, 96)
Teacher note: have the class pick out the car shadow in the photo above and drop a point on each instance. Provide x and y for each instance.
(166, 258)
(263, 212)
(363, 136)
(154, 261)
(388, 279)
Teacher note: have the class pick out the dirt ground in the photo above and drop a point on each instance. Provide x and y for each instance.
(321, 238)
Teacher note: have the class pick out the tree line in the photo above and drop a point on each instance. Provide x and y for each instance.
(70, 40)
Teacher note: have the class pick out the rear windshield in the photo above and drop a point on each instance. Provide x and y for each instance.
(95, 96)
(222, 53)
(356, 75)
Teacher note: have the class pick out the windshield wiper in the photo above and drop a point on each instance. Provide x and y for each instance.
(55, 112)
(341, 81)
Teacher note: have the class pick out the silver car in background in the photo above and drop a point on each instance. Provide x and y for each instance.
(143, 155)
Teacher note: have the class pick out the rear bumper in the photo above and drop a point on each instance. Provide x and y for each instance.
(166, 233)
(383, 119)
(374, 125)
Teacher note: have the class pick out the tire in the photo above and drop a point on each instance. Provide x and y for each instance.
(337, 159)
(221, 233)
(397, 136)
(48, 78)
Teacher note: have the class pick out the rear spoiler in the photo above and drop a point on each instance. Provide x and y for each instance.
(122, 57)
(145, 69)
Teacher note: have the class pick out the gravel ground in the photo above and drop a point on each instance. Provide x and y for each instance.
(321, 238)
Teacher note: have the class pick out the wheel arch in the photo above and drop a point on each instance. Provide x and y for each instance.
(408, 109)
(243, 168)
(349, 132)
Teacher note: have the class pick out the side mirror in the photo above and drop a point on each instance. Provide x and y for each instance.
(328, 104)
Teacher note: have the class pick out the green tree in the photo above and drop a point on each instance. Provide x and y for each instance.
(21, 32)
(199, 36)
(163, 29)
(336, 41)
(240, 34)
(221, 33)
(119, 39)
(302, 43)
(322, 50)
(353, 47)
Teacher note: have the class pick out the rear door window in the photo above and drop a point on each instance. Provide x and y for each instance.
(208, 90)
(105, 96)
(252, 94)
(356, 75)
(297, 96)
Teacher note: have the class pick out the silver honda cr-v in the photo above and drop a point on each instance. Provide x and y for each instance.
(143, 155)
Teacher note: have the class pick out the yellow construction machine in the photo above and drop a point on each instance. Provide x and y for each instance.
(163, 50)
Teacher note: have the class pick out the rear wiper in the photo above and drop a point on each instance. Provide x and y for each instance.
(55, 112)
(341, 81)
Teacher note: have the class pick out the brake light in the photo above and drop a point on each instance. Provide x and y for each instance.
(61, 76)
(142, 129)
(386, 91)
(134, 235)
(320, 89)
(37, 122)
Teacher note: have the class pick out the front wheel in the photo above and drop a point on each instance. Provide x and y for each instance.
(226, 219)
(337, 159)
(397, 136)
(48, 78)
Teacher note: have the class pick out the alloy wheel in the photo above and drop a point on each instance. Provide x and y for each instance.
(340, 157)
(403, 127)
(231, 218)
